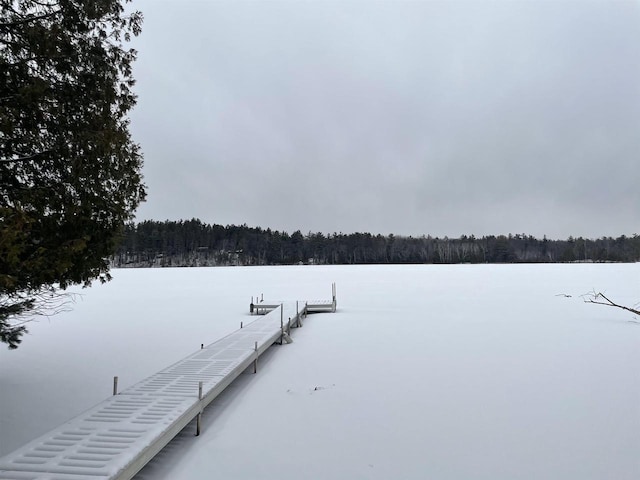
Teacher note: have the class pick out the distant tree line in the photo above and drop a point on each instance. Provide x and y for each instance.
(194, 243)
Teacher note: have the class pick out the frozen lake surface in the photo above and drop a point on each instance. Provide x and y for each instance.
(426, 371)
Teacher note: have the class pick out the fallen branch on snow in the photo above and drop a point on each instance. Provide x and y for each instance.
(600, 299)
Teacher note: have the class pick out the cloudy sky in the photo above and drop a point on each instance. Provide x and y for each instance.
(405, 117)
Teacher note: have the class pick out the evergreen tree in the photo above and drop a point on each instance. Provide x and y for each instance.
(69, 170)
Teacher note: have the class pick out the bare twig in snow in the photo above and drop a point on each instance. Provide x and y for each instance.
(600, 298)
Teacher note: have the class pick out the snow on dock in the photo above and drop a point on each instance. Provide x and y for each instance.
(312, 306)
(117, 437)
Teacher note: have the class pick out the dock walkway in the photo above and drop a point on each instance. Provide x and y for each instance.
(120, 435)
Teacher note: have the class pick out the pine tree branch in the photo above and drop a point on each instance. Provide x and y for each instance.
(26, 158)
(31, 18)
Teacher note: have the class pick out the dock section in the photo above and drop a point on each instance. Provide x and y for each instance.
(119, 436)
(262, 307)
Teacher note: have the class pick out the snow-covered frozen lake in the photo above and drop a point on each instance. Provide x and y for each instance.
(425, 371)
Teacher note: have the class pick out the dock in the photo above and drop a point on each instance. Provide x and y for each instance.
(119, 436)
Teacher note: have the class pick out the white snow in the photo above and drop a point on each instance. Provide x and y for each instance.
(448, 372)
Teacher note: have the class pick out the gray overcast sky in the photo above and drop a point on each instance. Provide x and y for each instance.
(412, 118)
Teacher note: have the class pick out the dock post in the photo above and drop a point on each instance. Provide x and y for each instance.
(240, 324)
(115, 385)
(199, 417)
(333, 292)
(255, 362)
(281, 322)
